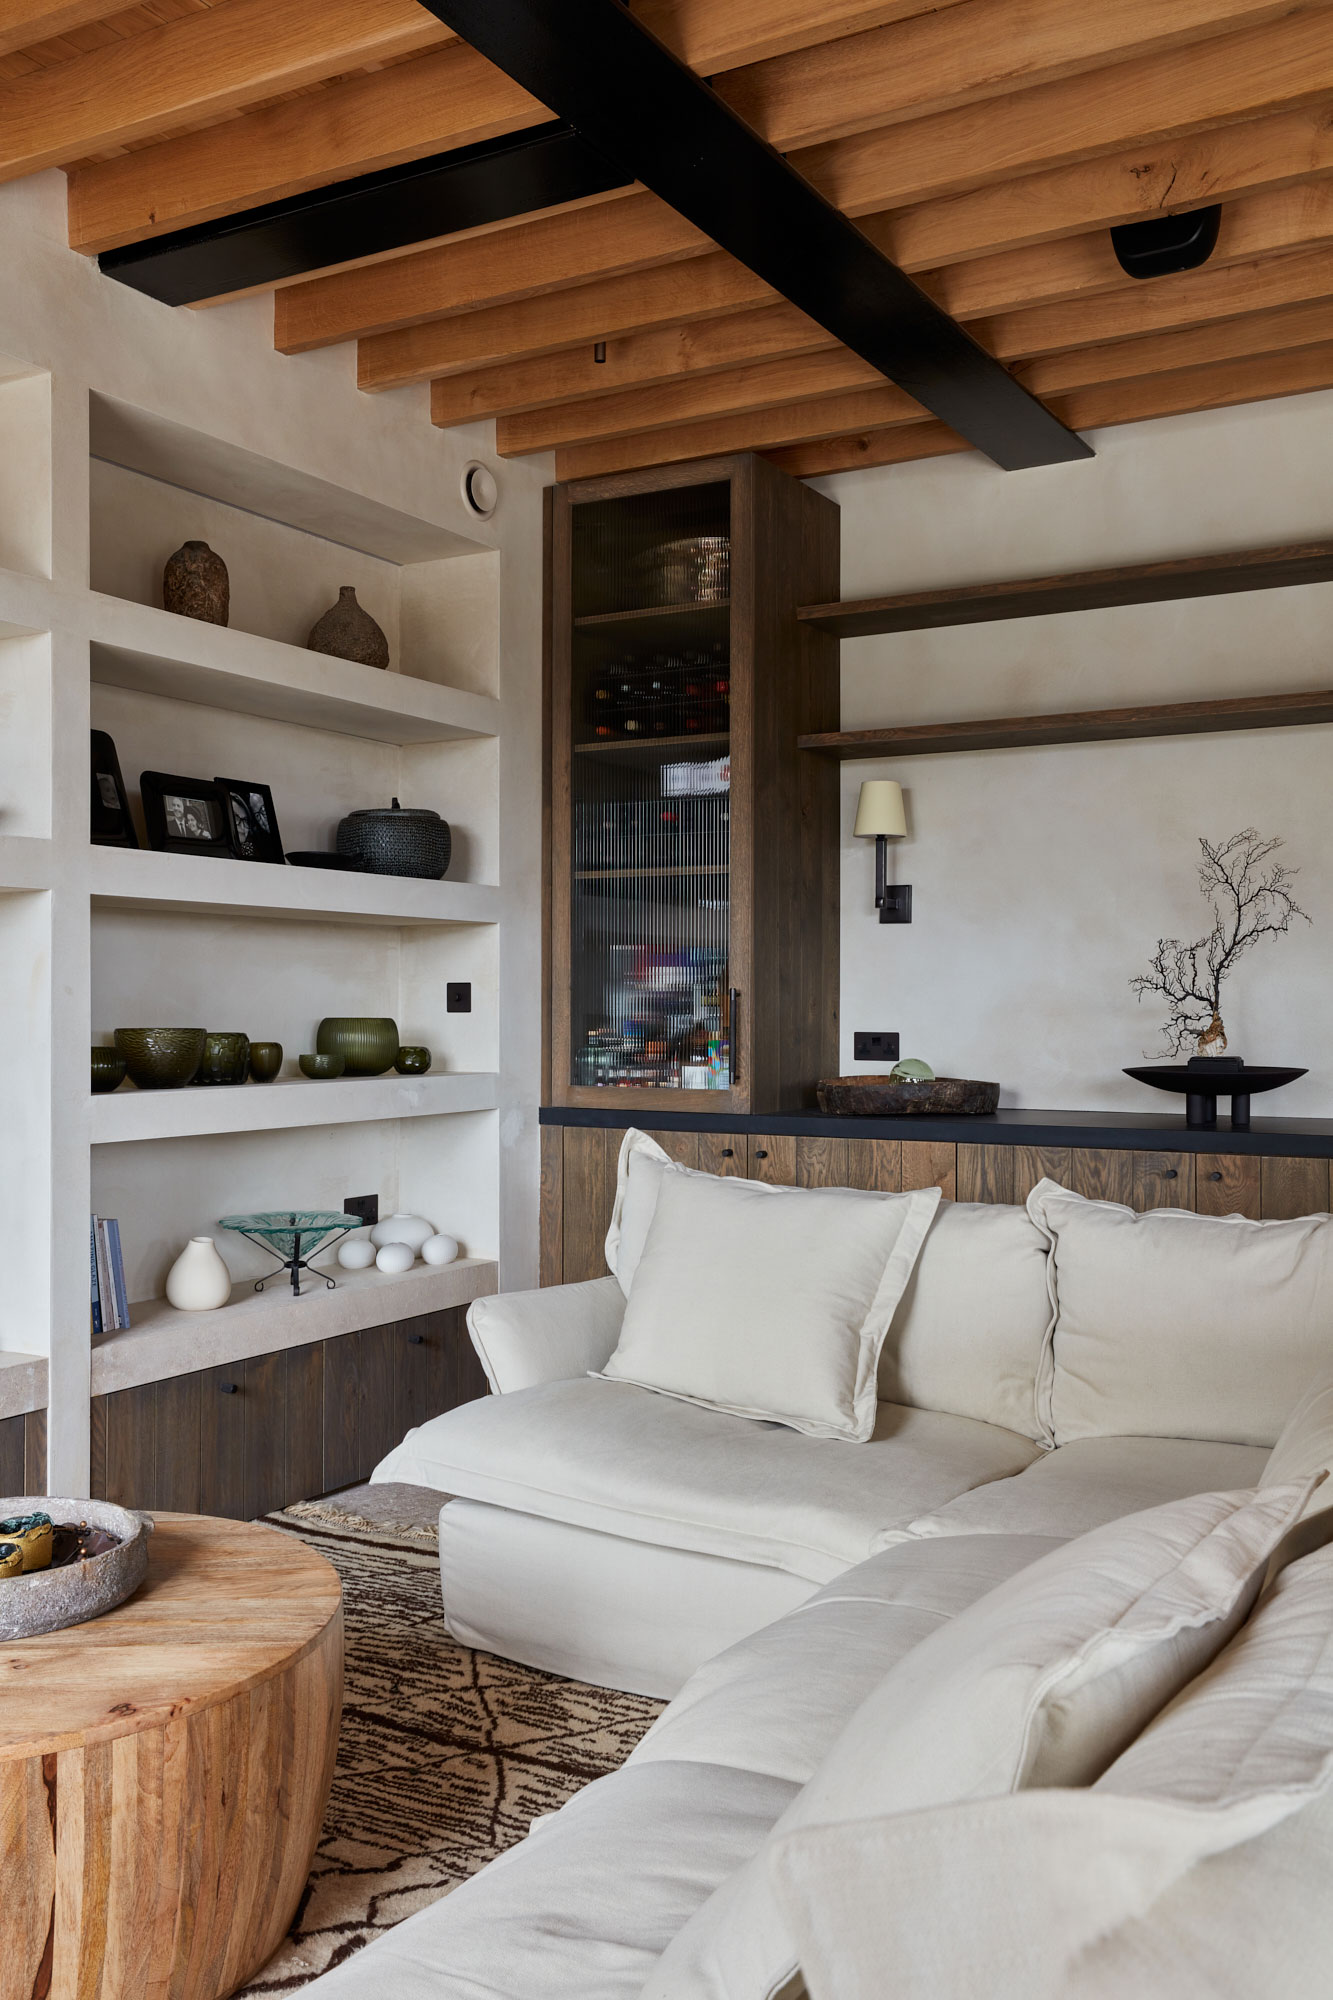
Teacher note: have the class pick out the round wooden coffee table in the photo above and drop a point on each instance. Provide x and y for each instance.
(164, 1770)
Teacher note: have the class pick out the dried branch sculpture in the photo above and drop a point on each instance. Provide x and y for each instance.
(1251, 899)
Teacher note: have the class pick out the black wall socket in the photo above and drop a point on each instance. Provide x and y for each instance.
(458, 996)
(367, 1206)
(874, 1048)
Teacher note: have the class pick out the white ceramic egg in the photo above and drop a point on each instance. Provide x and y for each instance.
(410, 1229)
(395, 1258)
(356, 1254)
(439, 1249)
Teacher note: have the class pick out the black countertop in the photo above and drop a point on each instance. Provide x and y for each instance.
(1130, 1131)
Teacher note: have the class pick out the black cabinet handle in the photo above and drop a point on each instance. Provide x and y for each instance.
(760, 1153)
(733, 1035)
(415, 1339)
(1214, 1177)
(728, 1152)
(1170, 1174)
(228, 1388)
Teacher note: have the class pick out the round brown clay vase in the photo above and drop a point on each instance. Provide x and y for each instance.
(108, 1069)
(195, 584)
(225, 1058)
(265, 1061)
(349, 633)
(412, 1061)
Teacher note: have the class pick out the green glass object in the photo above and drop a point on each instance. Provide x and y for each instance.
(322, 1068)
(225, 1059)
(108, 1069)
(412, 1061)
(293, 1236)
(265, 1061)
(369, 1043)
(161, 1058)
(912, 1071)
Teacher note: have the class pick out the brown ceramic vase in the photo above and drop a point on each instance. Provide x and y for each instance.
(349, 633)
(195, 584)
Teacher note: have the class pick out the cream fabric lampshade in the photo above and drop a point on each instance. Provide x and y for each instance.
(880, 808)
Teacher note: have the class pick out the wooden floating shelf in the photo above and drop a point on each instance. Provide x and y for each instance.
(1099, 725)
(203, 1110)
(653, 611)
(157, 652)
(641, 749)
(123, 878)
(1085, 590)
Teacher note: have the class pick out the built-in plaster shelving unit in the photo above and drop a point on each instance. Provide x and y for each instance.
(92, 938)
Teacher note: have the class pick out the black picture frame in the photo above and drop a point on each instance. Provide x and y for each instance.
(112, 825)
(252, 821)
(185, 815)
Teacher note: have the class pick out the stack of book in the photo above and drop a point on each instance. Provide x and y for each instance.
(111, 1306)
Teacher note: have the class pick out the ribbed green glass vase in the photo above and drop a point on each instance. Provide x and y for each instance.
(368, 1043)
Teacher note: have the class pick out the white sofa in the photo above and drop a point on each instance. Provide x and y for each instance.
(772, 1582)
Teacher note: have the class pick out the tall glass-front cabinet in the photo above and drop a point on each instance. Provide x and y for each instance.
(693, 885)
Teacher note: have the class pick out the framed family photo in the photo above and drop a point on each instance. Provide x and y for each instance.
(185, 815)
(252, 823)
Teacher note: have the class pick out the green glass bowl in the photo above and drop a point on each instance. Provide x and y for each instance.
(161, 1058)
(225, 1059)
(370, 1044)
(108, 1069)
(322, 1067)
(265, 1061)
(412, 1061)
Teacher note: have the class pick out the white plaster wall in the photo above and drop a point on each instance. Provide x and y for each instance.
(1043, 877)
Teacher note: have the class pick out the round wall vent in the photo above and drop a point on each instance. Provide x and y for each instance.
(480, 489)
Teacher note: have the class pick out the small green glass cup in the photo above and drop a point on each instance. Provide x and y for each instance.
(412, 1060)
(322, 1068)
(225, 1056)
(265, 1061)
(108, 1069)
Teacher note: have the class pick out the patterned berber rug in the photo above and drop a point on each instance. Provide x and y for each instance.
(446, 1755)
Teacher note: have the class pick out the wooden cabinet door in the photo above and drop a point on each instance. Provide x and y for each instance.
(773, 1158)
(435, 1367)
(360, 1421)
(1289, 1187)
(589, 1194)
(724, 1153)
(11, 1456)
(1227, 1184)
(1163, 1180)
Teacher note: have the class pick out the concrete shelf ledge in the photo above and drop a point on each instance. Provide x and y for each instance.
(163, 1342)
(156, 652)
(188, 884)
(24, 863)
(128, 1114)
(22, 1383)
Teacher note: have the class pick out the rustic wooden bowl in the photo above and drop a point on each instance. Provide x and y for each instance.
(886, 1097)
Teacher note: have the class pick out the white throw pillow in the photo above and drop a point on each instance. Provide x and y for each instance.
(1306, 1444)
(1043, 1682)
(638, 1178)
(1179, 1325)
(769, 1302)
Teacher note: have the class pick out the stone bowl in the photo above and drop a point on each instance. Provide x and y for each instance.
(895, 1097)
(46, 1600)
(161, 1058)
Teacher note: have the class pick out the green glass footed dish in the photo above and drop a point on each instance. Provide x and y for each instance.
(293, 1236)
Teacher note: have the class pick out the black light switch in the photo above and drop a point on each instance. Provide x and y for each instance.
(458, 996)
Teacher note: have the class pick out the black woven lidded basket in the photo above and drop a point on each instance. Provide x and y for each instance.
(396, 840)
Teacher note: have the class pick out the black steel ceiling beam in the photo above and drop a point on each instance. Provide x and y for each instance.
(634, 101)
(389, 210)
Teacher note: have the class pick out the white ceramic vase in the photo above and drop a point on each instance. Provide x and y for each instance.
(357, 1253)
(395, 1257)
(439, 1249)
(199, 1280)
(410, 1229)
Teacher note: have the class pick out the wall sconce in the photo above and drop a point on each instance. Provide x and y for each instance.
(879, 811)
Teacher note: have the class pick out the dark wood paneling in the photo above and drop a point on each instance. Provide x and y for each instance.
(264, 1410)
(128, 1427)
(986, 1173)
(823, 1162)
(551, 1207)
(1293, 1187)
(12, 1471)
(464, 1376)
(418, 1370)
(1227, 1184)
(176, 1458)
(725, 1153)
(876, 1164)
(589, 1175)
(682, 1147)
(1101, 1174)
(34, 1452)
(222, 1481)
(305, 1422)
(773, 1158)
(1039, 1163)
(1163, 1180)
(359, 1418)
(930, 1163)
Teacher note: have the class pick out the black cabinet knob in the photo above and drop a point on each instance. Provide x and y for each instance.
(1214, 1177)
(415, 1339)
(1169, 1174)
(228, 1388)
(759, 1153)
(728, 1152)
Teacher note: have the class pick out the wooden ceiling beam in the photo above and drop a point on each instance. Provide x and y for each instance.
(964, 55)
(451, 97)
(26, 22)
(197, 67)
(1225, 384)
(524, 261)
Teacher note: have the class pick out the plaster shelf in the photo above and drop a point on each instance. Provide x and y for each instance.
(198, 1111)
(22, 1383)
(162, 1342)
(158, 652)
(25, 863)
(205, 885)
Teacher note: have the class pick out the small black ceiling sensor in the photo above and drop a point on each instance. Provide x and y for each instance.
(1167, 243)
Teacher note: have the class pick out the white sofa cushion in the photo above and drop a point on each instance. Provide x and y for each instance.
(971, 1334)
(1172, 1324)
(1042, 1682)
(607, 1455)
(638, 1178)
(526, 1337)
(777, 1701)
(770, 1302)
(1306, 1444)
(1095, 1480)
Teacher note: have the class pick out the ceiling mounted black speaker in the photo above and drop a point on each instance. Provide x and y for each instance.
(1167, 243)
